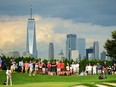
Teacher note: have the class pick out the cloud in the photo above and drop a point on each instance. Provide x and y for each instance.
(13, 33)
(100, 12)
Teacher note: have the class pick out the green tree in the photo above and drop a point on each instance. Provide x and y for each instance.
(110, 46)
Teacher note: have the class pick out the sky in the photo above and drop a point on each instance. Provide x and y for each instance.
(90, 19)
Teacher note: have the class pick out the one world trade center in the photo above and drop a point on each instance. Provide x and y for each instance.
(31, 36)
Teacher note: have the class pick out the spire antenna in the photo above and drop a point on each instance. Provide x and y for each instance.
(31, 12)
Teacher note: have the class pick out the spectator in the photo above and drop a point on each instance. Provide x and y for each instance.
(83, 73)
(0, 63)
(13, 65)
(102, 77)
(4, 65)
(86, 69)
(30, 68)
(48, 68)
(68, 69)
(53, 68)
(99, 68)
(74, 68)
(36, 69)
(62, 65)
(43, 68)
(114, 69)
(109, 70)
(103, 69)
(22, 66)
(40, 67)
(89, 69)
(58, 67)
(26, 67)
(94, 69)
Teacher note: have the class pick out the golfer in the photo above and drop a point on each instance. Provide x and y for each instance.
(9, 76)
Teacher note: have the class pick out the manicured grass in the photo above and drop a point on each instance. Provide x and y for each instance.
(24, 80)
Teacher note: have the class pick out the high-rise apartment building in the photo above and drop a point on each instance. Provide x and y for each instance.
(51, 51)
(96, 50)
(31, 36)
(70, 45)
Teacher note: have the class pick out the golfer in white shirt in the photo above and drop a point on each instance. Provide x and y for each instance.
(9, 76)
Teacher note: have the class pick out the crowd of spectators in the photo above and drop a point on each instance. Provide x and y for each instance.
(57, 68)
(100, 69)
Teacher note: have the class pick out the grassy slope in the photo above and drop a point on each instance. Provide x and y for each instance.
(53, 81)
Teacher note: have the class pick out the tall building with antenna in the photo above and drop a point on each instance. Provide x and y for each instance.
(31, 36)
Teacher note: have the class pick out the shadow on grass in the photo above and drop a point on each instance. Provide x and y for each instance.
(112, 81)
(88, 85)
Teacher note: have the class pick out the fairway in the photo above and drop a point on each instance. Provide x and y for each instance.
(24, 80)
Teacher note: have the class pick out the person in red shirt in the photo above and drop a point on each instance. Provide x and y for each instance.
(103, 68)
(58, 68)
(40, 67)
(26, 67)
(49, 68)
(62, 65)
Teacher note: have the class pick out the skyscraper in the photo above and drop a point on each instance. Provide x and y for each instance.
(96, 50)
(31, 36)
(89, 53)
(70, 45)
(103, 55)
(81, 47)
(51, 51)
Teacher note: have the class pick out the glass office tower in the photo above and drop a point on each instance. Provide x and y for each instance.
(81, 46)
(31, 36)
(96, 49)
(70, 45)
(51, 51)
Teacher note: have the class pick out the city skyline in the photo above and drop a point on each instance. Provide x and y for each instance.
(92, 20)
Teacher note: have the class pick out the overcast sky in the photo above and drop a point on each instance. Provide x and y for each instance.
(90, 19)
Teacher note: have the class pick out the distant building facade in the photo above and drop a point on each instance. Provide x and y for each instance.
(89, 53)
(51, 51)
(14, 54)
(103, 55)
(75, 55)
(25, 54)
(96, 50)
(61, 56)
(81, 46)
(70, 44)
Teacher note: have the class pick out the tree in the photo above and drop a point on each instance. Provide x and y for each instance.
(110, 46)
